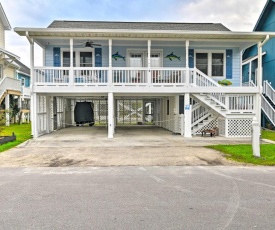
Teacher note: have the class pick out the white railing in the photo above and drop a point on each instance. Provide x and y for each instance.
(240, 103)
(26, 92)
(168, 75)
(269, 91)
(268, 110)
(132, 75)
(199, 113)
(51, 75)
(198, 78)
(89, 75)
(10, 84)
(248, 84)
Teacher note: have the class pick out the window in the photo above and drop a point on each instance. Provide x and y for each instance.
(211, 63)
(67, 58)
(202, 62)
(23, 82)
(86, 59)
(217, 64)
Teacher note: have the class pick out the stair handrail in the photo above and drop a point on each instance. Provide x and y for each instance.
(268, 110)
(199, 113)
(268, 90)
(208, 82)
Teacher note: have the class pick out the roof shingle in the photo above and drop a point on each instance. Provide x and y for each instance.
(138, 25)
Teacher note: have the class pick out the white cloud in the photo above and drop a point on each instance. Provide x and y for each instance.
(234, 14)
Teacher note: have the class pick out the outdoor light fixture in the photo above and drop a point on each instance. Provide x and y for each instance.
(91, 44)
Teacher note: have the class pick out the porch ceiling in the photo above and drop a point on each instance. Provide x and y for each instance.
(221, 36)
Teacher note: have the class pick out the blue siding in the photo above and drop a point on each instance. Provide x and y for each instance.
(98, 57)
(191, 58)
(267, 24)
(178, 51)
(56, 57)
(229, 63)
(27, 79)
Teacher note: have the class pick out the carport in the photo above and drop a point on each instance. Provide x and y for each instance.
(56, 111)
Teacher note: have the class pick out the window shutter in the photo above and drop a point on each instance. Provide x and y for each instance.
(98, 57)
(56, 57)
(191, 58)
(229, 63)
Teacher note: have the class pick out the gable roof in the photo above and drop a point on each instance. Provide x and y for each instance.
(264, 14)
(23, 68)
(138, 25)
(4, 19)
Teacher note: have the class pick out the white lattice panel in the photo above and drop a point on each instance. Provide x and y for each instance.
(41, 114)
(239, 127)
(211, 125)
(221, 126)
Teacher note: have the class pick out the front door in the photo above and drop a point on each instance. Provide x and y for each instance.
(54, 113)
(149, 108)
(136, 61)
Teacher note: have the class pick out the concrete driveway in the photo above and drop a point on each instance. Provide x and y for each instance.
(131, 146)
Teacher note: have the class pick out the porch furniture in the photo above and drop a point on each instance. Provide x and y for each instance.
(213, 132)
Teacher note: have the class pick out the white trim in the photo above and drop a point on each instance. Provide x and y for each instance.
(250, 59)
(144, 53)
(209, 57)
(77, 54)
(23, 80)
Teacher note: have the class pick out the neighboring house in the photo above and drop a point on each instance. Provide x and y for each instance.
(10, 86)
(265, 23)
(23, 74)
(177, 88)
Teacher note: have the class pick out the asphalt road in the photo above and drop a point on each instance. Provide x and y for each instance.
(199, 197)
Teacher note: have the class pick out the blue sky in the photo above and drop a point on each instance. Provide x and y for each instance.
(235, 14)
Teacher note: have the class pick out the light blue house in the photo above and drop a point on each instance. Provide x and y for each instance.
(134, 72)
(23, 74)
(265, 23)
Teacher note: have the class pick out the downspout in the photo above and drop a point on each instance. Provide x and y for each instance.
(33, 95)
(260, 77)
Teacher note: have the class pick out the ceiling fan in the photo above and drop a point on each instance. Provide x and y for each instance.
(91, 44)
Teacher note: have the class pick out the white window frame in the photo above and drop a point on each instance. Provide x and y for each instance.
(23, 81)
(77, 55)
(1, 72)
(144, 52)
(209, 58)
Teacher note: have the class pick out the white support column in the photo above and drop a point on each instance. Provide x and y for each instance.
(115, 114)
(187, 115)
(7, 108)
(187, 75)
(33, 80)
(250, 71)
(256, 132)
(34, 115)
(259, 83)
(72, 111)
(149, 78)
(110, 115)
(20, 107)
(48, 110)
(71, 74)
(110, 74)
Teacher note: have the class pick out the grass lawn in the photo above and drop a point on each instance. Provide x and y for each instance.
(22, 132)
(268, 134)
(243, 153)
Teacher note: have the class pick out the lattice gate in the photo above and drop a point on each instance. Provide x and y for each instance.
(129, 111)
(41, 115)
